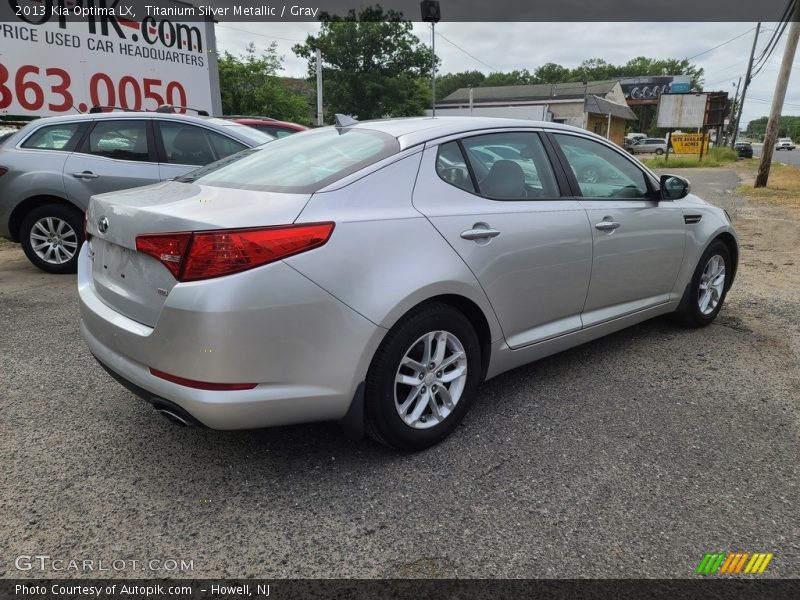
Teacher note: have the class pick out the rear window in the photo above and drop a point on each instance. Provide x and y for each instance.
(302, 163)
(255, 136)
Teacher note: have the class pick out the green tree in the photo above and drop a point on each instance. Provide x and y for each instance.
(250, 85)
(373, 64)
(516, 77)
(552, 73)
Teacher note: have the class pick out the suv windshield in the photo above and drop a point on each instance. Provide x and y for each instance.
(300, 163)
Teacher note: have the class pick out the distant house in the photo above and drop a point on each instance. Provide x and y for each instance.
(598, 106)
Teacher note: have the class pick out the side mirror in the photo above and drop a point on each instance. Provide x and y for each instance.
(674, 187)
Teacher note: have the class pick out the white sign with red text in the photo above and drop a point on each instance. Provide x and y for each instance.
(52, 63)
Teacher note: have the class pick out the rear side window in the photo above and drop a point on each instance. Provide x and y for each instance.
(190, 145)
(53, 137)
(302, 163)
(452, 168)
(122, 140)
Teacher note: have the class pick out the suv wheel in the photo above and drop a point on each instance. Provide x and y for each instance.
(423, 378)
(51, 236)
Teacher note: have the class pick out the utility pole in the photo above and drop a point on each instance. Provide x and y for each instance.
(746, 83)
(737, 107)
(320, 120)
(777, 99)
(432, 13)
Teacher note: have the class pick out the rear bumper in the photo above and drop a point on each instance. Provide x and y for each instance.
(306, 351)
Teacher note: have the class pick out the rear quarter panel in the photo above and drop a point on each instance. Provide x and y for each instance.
(384, 257)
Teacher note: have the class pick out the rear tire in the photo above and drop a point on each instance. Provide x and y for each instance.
(423, 378)
(51, 236)
(659, 151)
(706, 292)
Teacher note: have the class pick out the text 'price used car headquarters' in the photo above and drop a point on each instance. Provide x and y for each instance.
(55, 64)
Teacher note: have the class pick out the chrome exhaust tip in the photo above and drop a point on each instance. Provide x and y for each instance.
(172, 417)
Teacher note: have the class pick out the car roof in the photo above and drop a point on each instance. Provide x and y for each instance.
(412, 131)
(129, 114)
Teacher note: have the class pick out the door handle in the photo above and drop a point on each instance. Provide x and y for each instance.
(85, 175)
(479, 234)
(606, 225)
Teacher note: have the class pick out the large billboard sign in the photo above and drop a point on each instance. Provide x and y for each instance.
(64, 56)
(681, 110)
(644, 89)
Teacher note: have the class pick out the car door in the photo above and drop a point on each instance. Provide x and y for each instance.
(115, 154)
(638, 239)
(184, 147)
(529, 247)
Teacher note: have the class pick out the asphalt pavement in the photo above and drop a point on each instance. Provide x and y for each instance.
(631, 456)
(789, 157)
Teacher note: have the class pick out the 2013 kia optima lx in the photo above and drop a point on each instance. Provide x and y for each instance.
(375, 273)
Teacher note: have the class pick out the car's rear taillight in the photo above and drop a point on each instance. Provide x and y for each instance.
(191, 256)
(3, 171)
(202, 385)
(169, 248)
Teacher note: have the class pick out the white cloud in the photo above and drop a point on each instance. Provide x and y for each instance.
(508, 46)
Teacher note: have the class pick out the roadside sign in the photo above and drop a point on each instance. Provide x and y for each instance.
(56, 63)
(681, 110)
(689, 143)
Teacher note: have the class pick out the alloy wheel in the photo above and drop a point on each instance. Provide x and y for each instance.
(54, 240)
(430, 379)
(712, 284)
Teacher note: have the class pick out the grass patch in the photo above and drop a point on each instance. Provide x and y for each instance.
(782, 188)
(716, 157)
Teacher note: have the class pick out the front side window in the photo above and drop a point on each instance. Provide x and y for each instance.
(301, 163)
(122, 140)
(510, 166)
(602, 172)
(52, 137)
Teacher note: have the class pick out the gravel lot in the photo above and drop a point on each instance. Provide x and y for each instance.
(628, 457)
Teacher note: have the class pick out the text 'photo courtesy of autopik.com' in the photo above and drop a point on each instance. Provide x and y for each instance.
(399, 299)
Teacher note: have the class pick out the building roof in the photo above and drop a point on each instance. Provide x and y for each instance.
(597, 105)
(521, 93)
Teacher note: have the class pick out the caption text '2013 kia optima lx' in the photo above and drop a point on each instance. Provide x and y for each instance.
(374, 273)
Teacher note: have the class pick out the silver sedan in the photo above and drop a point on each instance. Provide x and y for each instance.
(376, 273)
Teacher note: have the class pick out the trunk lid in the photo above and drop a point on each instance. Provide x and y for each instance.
(136, 284)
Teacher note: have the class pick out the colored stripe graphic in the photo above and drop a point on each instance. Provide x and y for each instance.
(729, 562)
(734, 563)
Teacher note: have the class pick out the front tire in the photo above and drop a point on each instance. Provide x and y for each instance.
(706, 293)
(659, 151)
(423, 378)
(51, 236)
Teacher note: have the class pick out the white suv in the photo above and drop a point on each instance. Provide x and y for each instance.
(784, 144)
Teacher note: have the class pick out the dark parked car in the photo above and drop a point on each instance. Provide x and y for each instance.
(744, 149)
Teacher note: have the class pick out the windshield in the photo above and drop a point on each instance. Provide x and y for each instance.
(301, 163)
(254, 135)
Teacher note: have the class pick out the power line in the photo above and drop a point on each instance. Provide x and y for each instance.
(722, 44)
(770, 102)
(441, 35)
